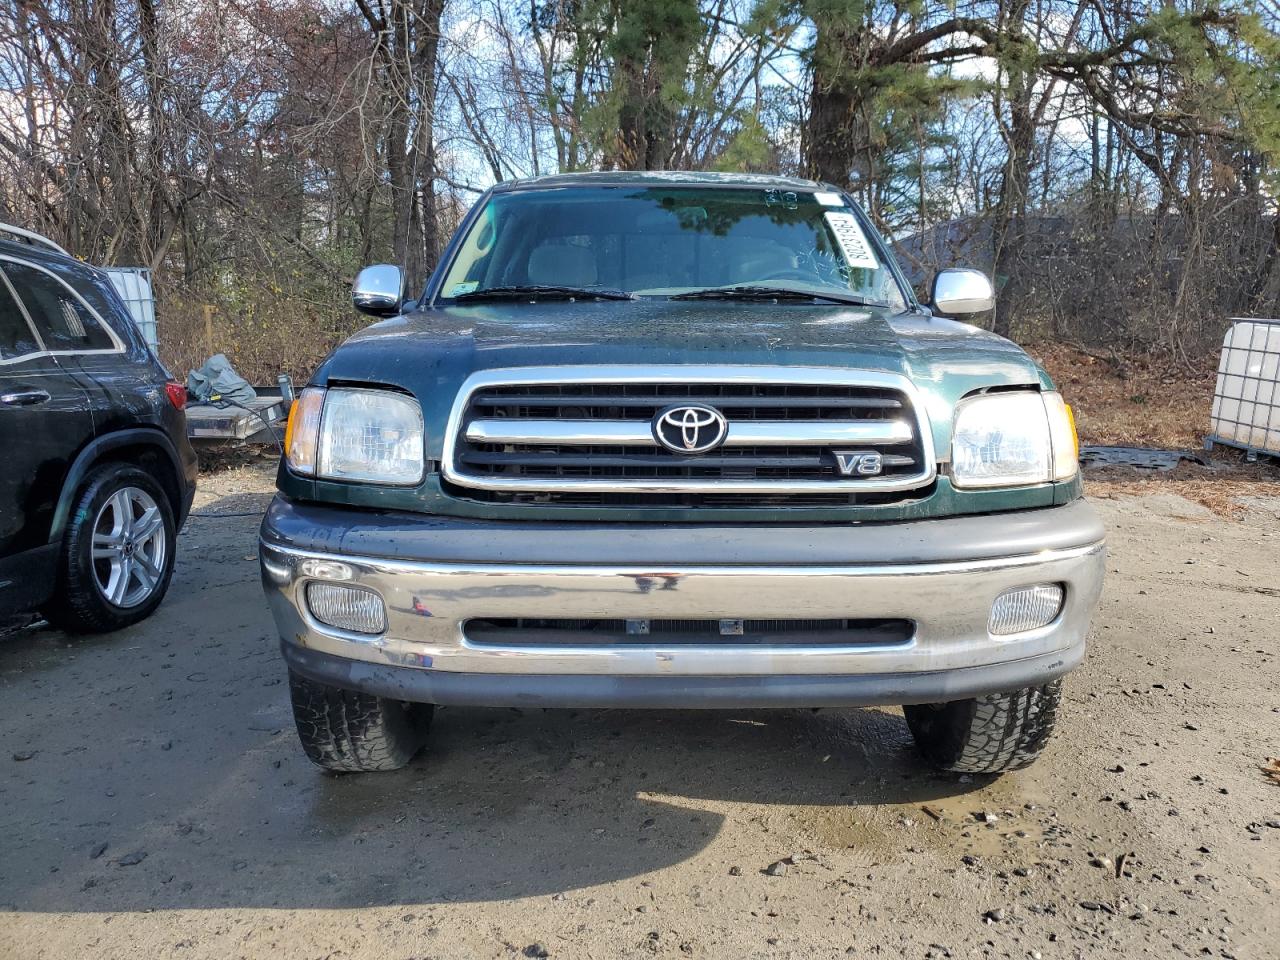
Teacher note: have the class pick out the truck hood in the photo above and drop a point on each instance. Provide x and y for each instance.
(430, 352)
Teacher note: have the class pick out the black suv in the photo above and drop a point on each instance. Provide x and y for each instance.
(98, 473)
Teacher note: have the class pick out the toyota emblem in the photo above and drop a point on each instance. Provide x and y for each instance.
(690, 428)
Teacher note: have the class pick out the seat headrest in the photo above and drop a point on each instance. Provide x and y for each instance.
(562, 263)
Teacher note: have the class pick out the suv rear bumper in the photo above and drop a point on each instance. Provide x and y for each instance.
(435, 574)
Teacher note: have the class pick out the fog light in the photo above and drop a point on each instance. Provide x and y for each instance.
(1025, 608)
(347, 608)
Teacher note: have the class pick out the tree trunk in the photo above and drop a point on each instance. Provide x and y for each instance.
(1009, 229)
(832, 145)
(409, 57)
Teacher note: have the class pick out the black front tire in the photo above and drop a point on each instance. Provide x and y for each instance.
(79, 604)
(350, 732)
(989, 734)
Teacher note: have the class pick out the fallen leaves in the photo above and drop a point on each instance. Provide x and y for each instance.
(1272, 769)
(1144, 400)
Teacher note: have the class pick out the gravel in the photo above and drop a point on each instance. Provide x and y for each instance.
(480, 833)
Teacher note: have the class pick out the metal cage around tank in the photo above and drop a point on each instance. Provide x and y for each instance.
(134, 286)
(1246, 398)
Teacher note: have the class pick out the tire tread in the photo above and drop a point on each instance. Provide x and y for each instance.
(351, 732)
(994, 733)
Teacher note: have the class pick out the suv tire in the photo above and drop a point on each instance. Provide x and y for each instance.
(989, 734)
(350, 732)
(96, 559)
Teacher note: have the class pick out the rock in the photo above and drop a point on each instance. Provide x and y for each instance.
(777, 869)
(994, 916)
(1102, 862)
(1022, 871)
(1273, 824)
(98, 850)
(735, 871)
(132, 859)
(535, 950)
(985, 816)
(1118, 768)
(1090, 905)
(20, 755)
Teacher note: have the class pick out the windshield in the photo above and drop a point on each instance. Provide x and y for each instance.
(669, 240)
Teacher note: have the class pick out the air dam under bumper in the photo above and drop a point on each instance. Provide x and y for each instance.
(435, 574)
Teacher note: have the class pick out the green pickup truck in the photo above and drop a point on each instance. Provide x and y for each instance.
(678, 441)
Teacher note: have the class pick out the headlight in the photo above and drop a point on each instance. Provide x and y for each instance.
(1013, 439)
(346, 433)
(304, 426)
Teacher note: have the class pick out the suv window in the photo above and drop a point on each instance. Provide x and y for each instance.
(64, 322)
(16, 339)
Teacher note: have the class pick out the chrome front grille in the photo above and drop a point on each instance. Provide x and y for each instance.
(586, 435)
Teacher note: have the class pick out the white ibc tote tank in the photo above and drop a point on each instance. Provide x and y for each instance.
(134, 286)
(1246, 401)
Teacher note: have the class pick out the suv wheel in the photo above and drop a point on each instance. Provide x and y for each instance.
(351, 732)
(117, 553)
(990, 734)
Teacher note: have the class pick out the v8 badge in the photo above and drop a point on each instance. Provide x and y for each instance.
(856, 463)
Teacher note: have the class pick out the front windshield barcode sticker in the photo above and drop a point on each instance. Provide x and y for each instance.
(854, 246)
(828, 199)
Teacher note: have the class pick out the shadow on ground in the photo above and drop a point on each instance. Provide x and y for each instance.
(172, 743)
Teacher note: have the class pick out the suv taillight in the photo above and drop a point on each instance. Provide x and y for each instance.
(177, 394)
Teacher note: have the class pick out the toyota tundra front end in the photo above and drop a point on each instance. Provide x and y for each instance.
(678, 441)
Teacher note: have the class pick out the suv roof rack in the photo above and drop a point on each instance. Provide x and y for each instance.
(32, 237)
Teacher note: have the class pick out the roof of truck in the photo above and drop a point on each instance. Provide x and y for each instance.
(660, 178)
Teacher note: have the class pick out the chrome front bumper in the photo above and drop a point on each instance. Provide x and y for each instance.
(913, 571)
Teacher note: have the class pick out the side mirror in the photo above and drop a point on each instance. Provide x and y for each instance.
(378, 290)
(961, 291)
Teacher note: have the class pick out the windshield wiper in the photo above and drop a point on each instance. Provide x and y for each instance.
(546, 292)
(758, 292)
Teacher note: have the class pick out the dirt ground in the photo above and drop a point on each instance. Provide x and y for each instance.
(154, 802)
(1132, 399)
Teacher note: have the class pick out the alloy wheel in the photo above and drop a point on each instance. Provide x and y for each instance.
(129, 547)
